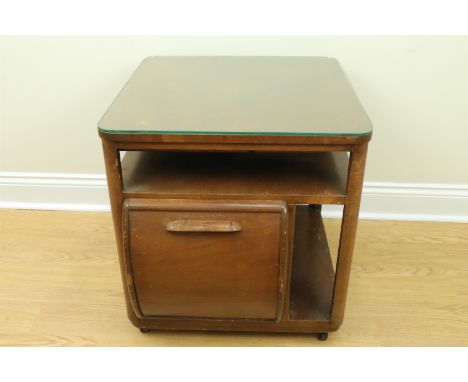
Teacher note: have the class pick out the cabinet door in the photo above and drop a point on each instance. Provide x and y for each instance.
(205, 259)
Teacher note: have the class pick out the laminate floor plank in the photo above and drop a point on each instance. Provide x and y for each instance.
(60, 286)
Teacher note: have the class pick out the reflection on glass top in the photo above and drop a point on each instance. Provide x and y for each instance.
(237, 95)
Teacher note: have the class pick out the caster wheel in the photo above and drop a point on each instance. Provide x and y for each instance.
(144, 330)
(322, 336)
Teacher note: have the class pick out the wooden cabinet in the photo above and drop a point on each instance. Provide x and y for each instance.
(218, 168)
(188, 258)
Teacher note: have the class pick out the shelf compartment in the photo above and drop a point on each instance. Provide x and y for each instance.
(312, 274)
(296, 178)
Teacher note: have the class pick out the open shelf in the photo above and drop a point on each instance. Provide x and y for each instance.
(312, 275)
(315, 178)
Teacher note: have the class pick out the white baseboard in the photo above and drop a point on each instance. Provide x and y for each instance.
(53, 191)
(411, 201)
(380, 200)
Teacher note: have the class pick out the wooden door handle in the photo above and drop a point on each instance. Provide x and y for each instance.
(203, 226)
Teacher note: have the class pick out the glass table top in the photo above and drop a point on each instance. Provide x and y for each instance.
(226, 95)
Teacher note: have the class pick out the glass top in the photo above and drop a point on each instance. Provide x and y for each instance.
(237, 95)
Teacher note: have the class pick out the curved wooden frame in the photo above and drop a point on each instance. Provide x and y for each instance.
(347, 237)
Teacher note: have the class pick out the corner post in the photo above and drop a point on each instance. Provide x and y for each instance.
(349, 223)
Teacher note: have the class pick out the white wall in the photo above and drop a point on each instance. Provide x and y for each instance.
(53, 90)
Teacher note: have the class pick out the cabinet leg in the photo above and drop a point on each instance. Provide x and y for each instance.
(323, 336)
(144, 330)
(349, 222)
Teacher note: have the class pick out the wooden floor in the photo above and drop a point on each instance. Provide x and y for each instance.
(60, 285)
